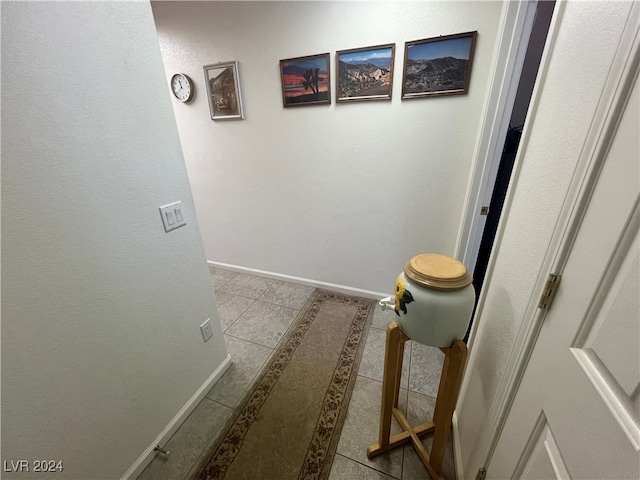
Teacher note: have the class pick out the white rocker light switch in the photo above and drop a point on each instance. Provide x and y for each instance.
(172, 216)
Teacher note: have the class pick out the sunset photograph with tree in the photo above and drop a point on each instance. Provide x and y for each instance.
(305, 80)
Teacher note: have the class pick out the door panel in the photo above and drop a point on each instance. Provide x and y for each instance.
(610, 354)
(616, 330)
(542, 456)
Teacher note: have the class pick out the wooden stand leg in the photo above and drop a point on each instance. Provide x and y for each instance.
(452, 370)
(393, 355)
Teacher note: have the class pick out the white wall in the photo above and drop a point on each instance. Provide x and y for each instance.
(345, 193)
(101, 344)
(554, 134)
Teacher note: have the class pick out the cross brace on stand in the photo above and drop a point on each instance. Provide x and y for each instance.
(454, 361)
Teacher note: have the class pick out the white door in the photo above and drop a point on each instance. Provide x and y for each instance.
(577, 411)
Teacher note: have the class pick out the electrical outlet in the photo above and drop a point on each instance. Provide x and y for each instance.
(207, 333)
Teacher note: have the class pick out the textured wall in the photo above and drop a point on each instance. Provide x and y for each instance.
(555, 132)
(101, 344)
(345, 193)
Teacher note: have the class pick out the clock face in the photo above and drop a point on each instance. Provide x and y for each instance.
(182, 87)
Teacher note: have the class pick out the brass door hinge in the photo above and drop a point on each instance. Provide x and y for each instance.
(482, 472)
(549, 292)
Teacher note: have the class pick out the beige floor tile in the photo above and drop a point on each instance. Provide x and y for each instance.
(426, 368)
(382, 318)
(413, 469)
(188, 443)
(372, 363)
(344, 468)
(420, 410)
(247, 285)
(287, 294)
(221, 277)
(361, 428)
(263, 323)
(248, 359)
(230, 307)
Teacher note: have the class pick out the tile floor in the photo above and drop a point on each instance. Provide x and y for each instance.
(255, 313)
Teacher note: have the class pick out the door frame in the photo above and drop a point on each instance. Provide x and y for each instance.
(515, 30)
(621, 77)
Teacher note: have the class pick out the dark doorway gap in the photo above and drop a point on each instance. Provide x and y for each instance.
(537, 40)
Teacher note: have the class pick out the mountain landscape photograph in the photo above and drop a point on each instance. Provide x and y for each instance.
(438, 66)
(365, 73)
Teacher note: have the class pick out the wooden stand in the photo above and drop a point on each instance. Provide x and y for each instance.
(452, 370)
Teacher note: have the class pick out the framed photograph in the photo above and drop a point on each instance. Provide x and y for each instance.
(438, 66)
(223, 91)
(306, 81)
(365, 73)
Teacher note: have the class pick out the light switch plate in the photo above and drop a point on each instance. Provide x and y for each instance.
(172, 216)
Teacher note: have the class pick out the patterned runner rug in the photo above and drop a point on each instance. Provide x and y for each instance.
(289, 423)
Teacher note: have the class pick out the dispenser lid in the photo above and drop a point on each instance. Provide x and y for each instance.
(439, 272)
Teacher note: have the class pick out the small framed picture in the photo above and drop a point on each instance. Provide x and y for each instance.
(438, 66)
(305, 81)
(223, 91)
(365, 73)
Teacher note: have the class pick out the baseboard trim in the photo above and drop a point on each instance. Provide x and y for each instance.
(147, 456)
(304, 281)
(457, 449)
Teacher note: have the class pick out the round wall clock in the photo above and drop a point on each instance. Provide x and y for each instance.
(182, 87)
